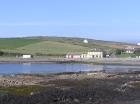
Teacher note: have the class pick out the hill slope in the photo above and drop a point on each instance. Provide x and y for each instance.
(51, 47)
(92, 43)
(55, 45)
(12, 43)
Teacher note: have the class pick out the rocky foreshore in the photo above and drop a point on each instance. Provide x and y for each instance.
(34, 79)
(72, 88)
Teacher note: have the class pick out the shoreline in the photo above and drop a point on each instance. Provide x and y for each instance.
(103, 61)
(72, 88)
(25, 79)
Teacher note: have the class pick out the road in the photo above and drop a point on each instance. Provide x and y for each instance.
(120, 61)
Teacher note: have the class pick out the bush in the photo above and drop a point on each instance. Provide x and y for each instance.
(1, 53)
(119, 51)
(137, 52)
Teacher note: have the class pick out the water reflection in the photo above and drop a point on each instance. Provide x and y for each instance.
(26, 68)
(83, 67)
(121, 68)
(55, 68)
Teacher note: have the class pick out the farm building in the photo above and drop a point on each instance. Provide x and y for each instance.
(27, 56)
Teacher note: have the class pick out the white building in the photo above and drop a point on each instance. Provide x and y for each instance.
(138, 44)
(130, 49)
(26, 56)
(85, 41)
(93, 54)
(96, 54)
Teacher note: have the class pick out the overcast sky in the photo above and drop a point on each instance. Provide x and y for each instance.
(99, 19)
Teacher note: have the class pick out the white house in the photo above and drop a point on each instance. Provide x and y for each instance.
(86, 56)
(92, 54)
(95, 54)
(26, 56)
(130, 49)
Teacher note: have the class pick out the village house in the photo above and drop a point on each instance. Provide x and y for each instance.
(27, 56)
(73, 55)
(129, 49)
(88, 55)
(95, 54)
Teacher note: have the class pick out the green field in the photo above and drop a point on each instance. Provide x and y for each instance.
(54, 45)
(12, 43)
(92, 43)
(50, 47)
(126, 55)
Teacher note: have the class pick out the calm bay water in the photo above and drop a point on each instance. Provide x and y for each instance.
(56, 68)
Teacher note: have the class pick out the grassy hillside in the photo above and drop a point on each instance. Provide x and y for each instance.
(12, 43)
(92, 43)
(51, 47)
(55, 45)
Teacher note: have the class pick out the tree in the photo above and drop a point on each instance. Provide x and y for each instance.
(118, 51)
(1, 53)
(137, 52)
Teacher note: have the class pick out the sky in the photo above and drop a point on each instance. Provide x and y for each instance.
(117, 20)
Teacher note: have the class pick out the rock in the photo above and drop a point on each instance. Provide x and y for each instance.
(32, 93)
(76, 100)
